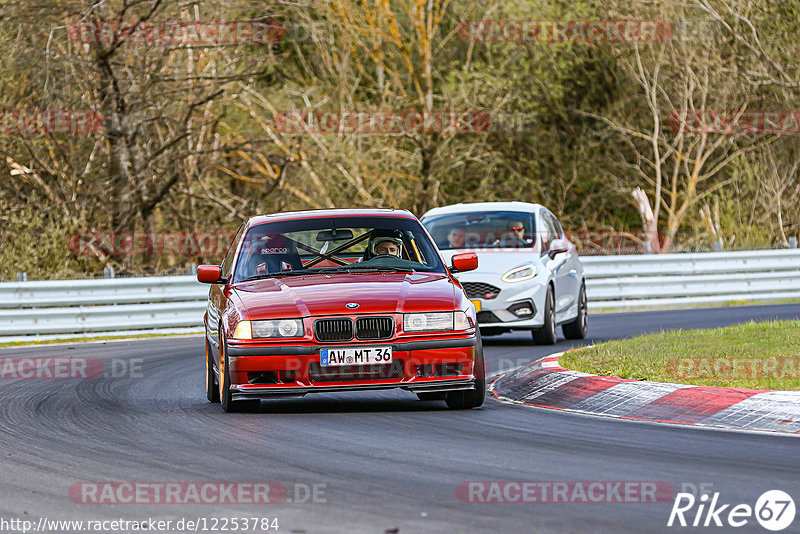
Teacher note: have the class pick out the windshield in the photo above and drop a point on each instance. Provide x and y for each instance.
(335, 244)
(479, 230)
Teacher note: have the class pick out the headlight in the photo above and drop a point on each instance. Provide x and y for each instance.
(519, 274)
(435, 322)
(278, 328)
(243, 330)
(461, 321)
(427, 322)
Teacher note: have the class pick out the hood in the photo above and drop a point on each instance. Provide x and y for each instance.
(313, 295)
(494, 261)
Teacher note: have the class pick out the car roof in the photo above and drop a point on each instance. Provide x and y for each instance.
(340, 212)
(472, 207)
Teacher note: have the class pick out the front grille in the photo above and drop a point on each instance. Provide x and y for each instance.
(346, 373)
(487, 317)
(479, 290)
(374, 327)
(333, 330)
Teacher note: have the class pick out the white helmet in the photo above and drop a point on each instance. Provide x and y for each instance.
(373, 244)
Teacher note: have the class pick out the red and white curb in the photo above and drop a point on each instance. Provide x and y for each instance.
(546, 384)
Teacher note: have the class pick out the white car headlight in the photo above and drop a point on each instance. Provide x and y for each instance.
(519, 274)
(278, 328)
(428, 322)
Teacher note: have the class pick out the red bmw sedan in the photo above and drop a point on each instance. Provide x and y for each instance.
(339, 300)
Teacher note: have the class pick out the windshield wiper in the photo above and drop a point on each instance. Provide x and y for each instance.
(331, 270)
(296, 272)
(380, 268)
(355, 268)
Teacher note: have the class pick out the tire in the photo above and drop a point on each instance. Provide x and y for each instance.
(577, 329)
(546, 335)
(225, 395)
(464, 400)
(432, 396)
(212, 386)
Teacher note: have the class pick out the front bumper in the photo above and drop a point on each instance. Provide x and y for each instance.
(241, 392)
(431, 365)
(498, 312)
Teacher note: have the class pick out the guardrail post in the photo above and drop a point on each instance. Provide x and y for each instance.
(108, 272)
(191, 268)
(22, 277)
(793, 242)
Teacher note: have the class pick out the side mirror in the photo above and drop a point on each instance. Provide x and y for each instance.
(210, 274)
(558, 246)
(464, 262)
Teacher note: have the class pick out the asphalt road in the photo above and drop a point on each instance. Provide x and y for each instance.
(382, 461)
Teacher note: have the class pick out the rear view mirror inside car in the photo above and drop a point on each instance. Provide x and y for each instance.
(334, 235)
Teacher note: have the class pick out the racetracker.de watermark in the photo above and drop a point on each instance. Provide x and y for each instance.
(730, 122)
(68, 367)
(203, 492)
(183, 524)
(390, 122)
(610, 242)
(150, 243)
(564, 31)
(585, 241)
(177, 32)
(40, 122)
(734, 368)
(565, 492)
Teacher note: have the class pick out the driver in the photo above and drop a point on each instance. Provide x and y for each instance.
(384, 243)
(514, 236)
(390, 246)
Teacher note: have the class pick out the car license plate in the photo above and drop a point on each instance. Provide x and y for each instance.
(355, 356)
(477, 304)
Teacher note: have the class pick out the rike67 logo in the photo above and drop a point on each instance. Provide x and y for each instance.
(774, 510)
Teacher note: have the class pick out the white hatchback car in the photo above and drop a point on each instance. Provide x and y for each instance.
(529, 276)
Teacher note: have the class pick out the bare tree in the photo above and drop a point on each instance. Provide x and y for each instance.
(678, 163)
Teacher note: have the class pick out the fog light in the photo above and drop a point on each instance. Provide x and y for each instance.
(523, 310)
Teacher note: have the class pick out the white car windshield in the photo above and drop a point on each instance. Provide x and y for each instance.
(480, 230)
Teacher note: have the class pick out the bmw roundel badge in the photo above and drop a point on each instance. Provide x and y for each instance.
(351, 305)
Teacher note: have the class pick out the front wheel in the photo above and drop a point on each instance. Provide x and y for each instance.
(225, 395)
(463, 400)
(546, 335)
(212, 386)
(577, 328)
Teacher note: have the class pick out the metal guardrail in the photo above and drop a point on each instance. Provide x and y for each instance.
(85, 308)
(88, 308)
(661, 280)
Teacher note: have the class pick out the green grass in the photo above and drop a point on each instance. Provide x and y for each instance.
(753, 355)
(86, 339)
